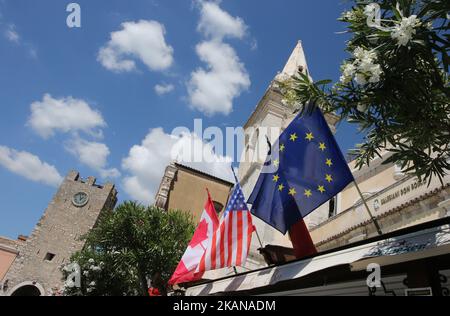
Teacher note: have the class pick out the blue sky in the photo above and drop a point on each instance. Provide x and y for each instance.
(85, 98)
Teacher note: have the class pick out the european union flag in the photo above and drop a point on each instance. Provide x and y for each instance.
(309, 170)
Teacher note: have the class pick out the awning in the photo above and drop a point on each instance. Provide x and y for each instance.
(421, 244)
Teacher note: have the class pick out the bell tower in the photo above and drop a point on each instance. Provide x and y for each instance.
(73, 212)
(270, 117)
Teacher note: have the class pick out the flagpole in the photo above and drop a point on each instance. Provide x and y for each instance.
(257, 235)
(374, 220)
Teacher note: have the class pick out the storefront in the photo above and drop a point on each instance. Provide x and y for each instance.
(412, 261)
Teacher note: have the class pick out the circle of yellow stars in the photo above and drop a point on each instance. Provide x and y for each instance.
(308, 193)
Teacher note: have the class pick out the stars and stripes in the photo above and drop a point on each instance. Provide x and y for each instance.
(231, 242)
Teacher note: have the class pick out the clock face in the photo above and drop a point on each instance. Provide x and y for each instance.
(80, 199)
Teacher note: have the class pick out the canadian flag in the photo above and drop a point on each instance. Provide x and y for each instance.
(186, 270)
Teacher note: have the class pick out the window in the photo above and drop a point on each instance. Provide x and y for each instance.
(49, 257)
(332, 208)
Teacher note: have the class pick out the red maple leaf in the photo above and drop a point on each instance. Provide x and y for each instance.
(200, 235)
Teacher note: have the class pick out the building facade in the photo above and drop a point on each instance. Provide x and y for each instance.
(73, 212)
(9, 249)
(413, 261)
(184, 188)
(396, 201)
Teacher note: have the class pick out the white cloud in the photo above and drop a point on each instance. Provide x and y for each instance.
(33, 52)
(146, 162)
(65, 115)
(73, 115)
(93, 155)
(143, 40)
(253, 44)
(213, 90)
(29, 166)
(217, 23)
(162, 89)
(11, 34)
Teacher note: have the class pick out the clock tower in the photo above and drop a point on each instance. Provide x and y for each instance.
(72, 213)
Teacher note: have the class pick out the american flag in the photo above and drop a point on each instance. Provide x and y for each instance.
(231, 241)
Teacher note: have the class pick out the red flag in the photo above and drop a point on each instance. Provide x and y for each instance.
(301, 240)
(186, 270)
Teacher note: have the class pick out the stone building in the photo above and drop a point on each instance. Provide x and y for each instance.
(270, 117)
(184, 188)
(73, 211)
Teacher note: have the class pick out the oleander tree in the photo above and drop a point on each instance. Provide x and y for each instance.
(129, 246)
(394, 84)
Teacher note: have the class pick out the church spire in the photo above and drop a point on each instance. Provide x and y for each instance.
(296, 61)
